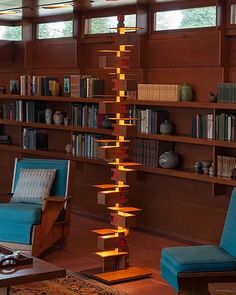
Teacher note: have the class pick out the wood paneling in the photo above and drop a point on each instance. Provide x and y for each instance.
(54, 54)
(181, 51)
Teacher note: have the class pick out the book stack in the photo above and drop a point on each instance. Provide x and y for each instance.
(85, 86)
(150, 119)
(225, 165)
(84, 145)
(225, 128)
(35, 139)
(148, 151)
(159, 92)
(226, 92)
(202, 126)
(84, 115)
(28, 111)
(36, 85)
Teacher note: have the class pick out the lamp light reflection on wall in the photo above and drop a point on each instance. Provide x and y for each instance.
(57, 6)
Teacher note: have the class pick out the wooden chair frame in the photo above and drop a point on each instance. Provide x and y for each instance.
(50, 230)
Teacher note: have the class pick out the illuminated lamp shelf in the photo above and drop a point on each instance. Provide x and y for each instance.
(111, 107)
(126, 130)
(109, 231)
(122, 174)
(111, 186)
(125, 164)
(124, 209)
(112, 253)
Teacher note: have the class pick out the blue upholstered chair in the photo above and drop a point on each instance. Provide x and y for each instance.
(34, 227)
(189, 269)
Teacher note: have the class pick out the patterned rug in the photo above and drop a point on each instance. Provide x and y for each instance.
(72, 284)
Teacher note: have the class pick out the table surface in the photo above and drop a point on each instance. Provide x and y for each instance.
(222, 288)
(39, 270)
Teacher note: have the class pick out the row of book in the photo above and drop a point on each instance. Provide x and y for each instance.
(149, 120)
(33, 85)
(84, 145)
(148, 151)
(226, 92)
(159, 92)
(225, 165)
(35, 139)
(86, 115)
(83, 86)
(225, 127)
(202, 126)
(24, 111)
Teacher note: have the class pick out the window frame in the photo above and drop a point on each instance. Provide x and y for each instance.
(162, 7)
(53, 21)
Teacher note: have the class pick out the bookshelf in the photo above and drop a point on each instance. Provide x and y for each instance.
(56, 148)
(183, 142)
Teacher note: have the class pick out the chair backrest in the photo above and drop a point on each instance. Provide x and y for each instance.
(60, 184)
(228, 238)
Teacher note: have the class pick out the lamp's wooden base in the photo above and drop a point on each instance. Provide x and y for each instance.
(117, 276)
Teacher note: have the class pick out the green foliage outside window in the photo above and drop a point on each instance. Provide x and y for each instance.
(55, 30)
(186, 18)
(11, 33)
(103, 25)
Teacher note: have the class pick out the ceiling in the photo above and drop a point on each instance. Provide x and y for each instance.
(14, 9)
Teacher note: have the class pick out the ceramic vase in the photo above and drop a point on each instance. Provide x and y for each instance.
(169, 160)
(48, 116)
(166, 127)
(58, 118)
(186, 92)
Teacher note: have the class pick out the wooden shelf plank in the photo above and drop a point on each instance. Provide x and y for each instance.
(54, 98)
(188, 139)
(53, 154)
(57, 127)
(181, 104)
(189, 174)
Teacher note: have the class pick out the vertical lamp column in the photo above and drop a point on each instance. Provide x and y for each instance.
(112, 242)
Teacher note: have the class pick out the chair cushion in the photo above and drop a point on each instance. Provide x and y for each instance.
(33, 185)
(192, 259)
(21, 213)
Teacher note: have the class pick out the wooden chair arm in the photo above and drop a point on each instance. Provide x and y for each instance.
(6, 194)
(57, 199)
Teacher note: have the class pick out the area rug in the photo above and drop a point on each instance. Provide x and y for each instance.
(72, 284)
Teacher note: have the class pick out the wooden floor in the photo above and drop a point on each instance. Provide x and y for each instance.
(145, 251)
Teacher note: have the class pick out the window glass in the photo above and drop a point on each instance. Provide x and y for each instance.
(233, 14)
(103, 25)
(55, 30)
(11, 33)
(185, 18)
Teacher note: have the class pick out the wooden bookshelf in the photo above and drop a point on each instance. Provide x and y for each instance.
(189, 140)
(188, 174)
(181, 104)
(63, 99)
(53, 154)
(57, 127)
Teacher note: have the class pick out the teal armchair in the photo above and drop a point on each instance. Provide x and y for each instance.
(33, 225)
(189, 269)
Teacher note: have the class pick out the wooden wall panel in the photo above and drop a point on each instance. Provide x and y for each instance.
(203, 79)
(178, 51)
(54, 54)
(232, 51)
(178, 207)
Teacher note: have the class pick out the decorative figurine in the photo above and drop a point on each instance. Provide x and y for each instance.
(167, 127)
(169, 160)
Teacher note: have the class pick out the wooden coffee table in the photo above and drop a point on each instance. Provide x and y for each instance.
(222, 288)
(39, 270)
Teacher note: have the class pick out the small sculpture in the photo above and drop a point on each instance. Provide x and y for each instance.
(186, 92)
(58, 118)
(212, 97)
(167, 127)
(169, 160)
(48, 116)
(198, 168)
